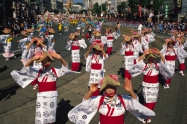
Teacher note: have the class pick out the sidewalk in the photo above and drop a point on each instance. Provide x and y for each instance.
(70, 94)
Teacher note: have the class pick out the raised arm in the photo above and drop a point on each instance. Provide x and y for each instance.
(143, 56)
(89, 50)
(92, 89)
(128, 88)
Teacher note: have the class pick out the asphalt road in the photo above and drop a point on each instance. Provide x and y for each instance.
(170, 109)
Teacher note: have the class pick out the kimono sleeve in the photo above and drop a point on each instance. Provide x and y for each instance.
(137, 109)
(88, 63)
(84, 112)
(137, 69)
(185, 43)
(181, 53)
(68, 47)
(164, 70)
(123, 46)
(25, 76)
(163, 51)
(82, 43)
(61, 71)
(103, 39)
(24, 53)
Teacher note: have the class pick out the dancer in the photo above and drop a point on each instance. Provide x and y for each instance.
(75, 44)
(110, 106)
(60, 27)
(110, 39)
(171, 53)
(7, 40)
(46, 79)
(95, 64)
(150, 71)
(128, 50)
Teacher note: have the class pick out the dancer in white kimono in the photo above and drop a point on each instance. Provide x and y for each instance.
(145, 40)
(7, 41)
(46, 77)
(150, 71)
(50, 38)
(74, 44)
(110, 106)
(171, 53)
(137, 44)
(182, 67)
(110, 39)
(23, 45)
(95, 63)
(129, 51)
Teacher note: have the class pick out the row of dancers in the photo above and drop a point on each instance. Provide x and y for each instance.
(138, 58)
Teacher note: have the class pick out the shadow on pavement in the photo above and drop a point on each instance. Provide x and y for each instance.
(4, 68)
(161, 79)
(18, 55)
(62, 111)
(7, 93)
(121, 72)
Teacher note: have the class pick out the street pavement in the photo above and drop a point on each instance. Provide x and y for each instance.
(18, 105)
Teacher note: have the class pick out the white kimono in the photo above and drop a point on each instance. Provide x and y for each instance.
(145, 42)
(176, 52)
(46, 102)
(3, 38)
(128, 59)
(110, 39)
(138, 48)
(95, 74)
(150, 81)
(84, 112)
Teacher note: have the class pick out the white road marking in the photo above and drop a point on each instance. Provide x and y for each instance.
(12, 51)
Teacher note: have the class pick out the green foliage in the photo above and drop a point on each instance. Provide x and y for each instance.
(133, 5)
(121, 7)
(97, 8)
(144, 3)
(158, 3)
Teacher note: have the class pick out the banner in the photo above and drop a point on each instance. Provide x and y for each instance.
(140, 11)
(166, 12)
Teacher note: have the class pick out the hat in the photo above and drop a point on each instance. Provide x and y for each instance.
(29, 30)
(24, 33)
(97, 46)
(127, 38)
(170, 40)
(46, 55)
(153, 53)
(135, 34)
(108, 29)
(51, 30)
(109, 79)
(97, 34)
(6, 31)
(72, 36)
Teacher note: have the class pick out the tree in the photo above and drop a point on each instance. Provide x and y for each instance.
(121, 7)
(144, 3)
(158, 3)
(133, 5)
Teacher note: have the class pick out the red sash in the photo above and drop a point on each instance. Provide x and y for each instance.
(111, 119)
(45, 86)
